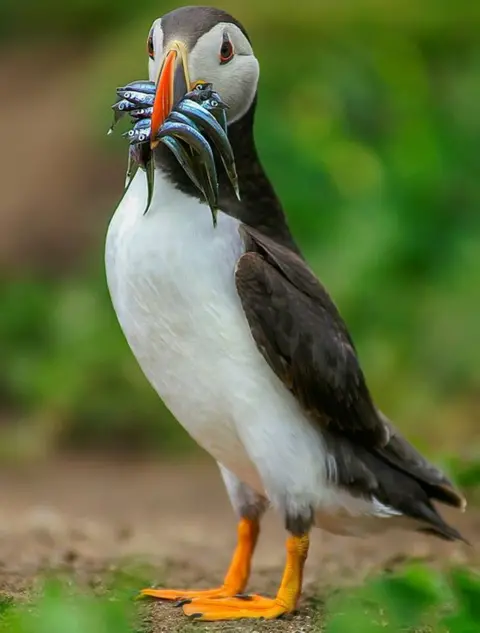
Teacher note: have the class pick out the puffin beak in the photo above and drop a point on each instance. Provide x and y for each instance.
(172, 84)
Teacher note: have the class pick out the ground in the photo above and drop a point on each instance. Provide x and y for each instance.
(171, 522)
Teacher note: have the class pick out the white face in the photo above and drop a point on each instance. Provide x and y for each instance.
(223, 57)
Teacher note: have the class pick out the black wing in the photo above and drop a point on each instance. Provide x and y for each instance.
(302, 336)
(300, 333)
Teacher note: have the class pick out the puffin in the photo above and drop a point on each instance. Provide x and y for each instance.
(245, 346)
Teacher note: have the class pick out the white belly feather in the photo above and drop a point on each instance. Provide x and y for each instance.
(171, 279)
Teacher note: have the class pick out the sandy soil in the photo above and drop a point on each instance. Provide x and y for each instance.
(85, 516)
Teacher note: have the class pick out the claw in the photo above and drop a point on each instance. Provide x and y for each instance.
(244, 596)
(182, 602)
(194, 616)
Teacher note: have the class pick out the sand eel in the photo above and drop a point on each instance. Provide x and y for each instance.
(244, 345)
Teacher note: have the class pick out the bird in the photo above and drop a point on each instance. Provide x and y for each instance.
(245, 346)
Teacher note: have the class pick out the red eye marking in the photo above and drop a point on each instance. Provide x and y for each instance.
(151, 52)
(226, 52)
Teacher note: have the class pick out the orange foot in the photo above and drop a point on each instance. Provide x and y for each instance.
(236, 608)
(188, 594)
(237, 575)
(258, 607)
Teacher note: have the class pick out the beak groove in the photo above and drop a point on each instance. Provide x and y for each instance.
(173, 79)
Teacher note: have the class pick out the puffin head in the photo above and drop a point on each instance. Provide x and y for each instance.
(194, 45)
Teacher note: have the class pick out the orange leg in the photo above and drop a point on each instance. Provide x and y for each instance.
(237, 575)
(235, 608)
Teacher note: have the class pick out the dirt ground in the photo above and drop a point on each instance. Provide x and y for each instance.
(90, 516)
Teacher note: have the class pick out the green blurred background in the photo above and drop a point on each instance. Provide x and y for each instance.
(369, 126)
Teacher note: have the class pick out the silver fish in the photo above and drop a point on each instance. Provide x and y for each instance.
(178, 117)
(132, 165)
(204, 95)
(140, 133)
(120, 109)
(149, 87)
(141, 113)
(141, 99)
(194, 139)
(184, 158)
(124, 105)
(150, 173)
(205, 120)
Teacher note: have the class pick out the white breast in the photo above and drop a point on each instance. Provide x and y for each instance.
(171, 279)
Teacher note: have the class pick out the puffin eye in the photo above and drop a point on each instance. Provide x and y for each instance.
(150, 50)
(226, 51)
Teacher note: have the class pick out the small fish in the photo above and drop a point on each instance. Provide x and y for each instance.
(120, 109)
(140, 133)
(150, 173)
(138, 156)
(184, 158)
(211, 101)
(178, 117)
(132, 165)
(132, 109)
(124, 105)
(218, 108)
(138, 136)
(141, 113)
(205, 120)
(141, 99)
(197, 141)
(149, 87)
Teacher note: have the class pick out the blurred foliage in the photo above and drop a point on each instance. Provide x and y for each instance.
(417, 599)
(61, 609)
(368, 125)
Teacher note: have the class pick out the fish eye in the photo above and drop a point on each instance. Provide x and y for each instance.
(150, 50)
(226, 51)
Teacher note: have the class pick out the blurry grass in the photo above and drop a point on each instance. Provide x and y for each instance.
(416, 599)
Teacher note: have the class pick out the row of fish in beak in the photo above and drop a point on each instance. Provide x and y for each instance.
(196, 125)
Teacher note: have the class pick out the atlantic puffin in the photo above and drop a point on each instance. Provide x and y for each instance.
(245, 346)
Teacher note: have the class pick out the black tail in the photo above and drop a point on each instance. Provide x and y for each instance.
(400, 478)
(402, 455)
(406, 492)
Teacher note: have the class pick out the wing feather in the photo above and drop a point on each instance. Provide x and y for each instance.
(300, 333)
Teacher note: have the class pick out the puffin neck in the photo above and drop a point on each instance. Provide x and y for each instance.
(259, 207)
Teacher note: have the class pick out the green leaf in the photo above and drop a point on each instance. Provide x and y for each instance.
(466, 589)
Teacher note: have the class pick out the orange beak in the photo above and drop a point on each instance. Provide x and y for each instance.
(173, 83)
